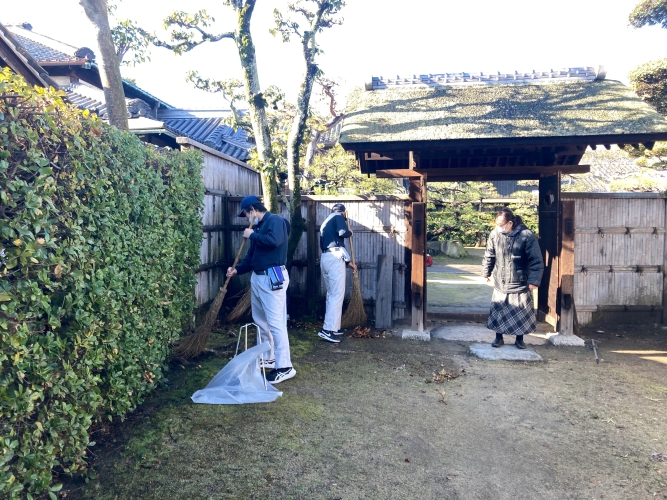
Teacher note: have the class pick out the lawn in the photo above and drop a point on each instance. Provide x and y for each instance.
(388, 418)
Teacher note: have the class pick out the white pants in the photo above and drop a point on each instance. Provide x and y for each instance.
(333, 272)
(269, 312)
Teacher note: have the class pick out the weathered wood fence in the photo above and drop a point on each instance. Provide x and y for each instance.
(378, 224)
(223, 177)
(619, 256)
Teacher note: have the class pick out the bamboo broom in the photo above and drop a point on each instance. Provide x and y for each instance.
(195, 344)
(355, 315)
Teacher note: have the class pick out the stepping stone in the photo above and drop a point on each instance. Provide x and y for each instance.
(477, 333)
(507, 352)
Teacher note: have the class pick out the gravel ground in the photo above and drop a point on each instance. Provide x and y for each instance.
(387, 418)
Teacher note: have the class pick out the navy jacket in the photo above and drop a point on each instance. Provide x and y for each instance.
(268, 245)
(333, 232)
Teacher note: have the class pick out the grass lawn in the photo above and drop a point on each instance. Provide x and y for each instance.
(388, 418)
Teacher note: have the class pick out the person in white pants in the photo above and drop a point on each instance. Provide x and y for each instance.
(267, 252)
(333, 261)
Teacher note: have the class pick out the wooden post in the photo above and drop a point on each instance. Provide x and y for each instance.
(566, 263)
(418, 266)
(312, 252)
(383, 299)
(664, 274)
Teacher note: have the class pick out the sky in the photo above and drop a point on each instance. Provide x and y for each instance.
(377, 38)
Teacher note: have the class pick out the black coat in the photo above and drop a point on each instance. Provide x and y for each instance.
(514, 259)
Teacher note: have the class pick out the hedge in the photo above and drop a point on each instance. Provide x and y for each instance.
(99, 241)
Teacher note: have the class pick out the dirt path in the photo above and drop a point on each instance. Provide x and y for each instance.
(366, 420)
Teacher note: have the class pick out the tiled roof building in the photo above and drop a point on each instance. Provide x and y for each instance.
(74, 71)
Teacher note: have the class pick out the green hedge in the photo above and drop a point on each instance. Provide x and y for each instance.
(99, 240)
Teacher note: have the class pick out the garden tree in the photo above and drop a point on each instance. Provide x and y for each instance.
(322, 15)
(649, 13)
(131, 39)
(191, 30)
(335, 170)
(321, 128)
(650, 79)
(98, 13)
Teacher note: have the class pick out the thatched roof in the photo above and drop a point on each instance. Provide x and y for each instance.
(510, 111)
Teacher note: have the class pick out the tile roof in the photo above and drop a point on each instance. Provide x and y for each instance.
(531, 77)
(86, 96)
(13, 55)
(500, 111)
(47, 50)
(209, 127)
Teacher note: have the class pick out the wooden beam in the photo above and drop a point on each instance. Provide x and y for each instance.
(563, 169)
(397, 173)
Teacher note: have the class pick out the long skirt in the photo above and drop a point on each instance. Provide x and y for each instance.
(512, 313)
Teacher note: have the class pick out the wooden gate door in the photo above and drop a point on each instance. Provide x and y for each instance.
(548, 300)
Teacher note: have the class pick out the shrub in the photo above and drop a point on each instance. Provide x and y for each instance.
(99, 239)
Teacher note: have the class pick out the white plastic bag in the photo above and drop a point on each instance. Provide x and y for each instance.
(240, 381)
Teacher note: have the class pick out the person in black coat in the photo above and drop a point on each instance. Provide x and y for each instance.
(514, 260)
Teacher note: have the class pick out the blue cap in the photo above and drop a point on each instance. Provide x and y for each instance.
(247, 201)
(338, 207)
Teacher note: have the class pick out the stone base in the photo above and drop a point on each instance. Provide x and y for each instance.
(415, 335)
(507, 352)
(567, 340)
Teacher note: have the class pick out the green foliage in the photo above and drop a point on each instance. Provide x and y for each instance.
(336, 171)
(454, 211)
(99, 239)
(655, 158)
(649, 13)
(650, 82)
(130, 38)
(640, 183)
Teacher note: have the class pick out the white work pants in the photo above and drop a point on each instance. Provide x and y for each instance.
(269, 312)
(333, 272)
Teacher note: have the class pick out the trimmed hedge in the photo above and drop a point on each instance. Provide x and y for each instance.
(99, 241)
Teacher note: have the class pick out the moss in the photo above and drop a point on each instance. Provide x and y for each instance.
(497, 111)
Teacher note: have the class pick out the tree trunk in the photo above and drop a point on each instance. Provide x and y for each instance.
(295, 138)
(109, 69)
(257, 106)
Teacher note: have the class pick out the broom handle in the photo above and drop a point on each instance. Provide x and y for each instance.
(236, 260)
(351, 245)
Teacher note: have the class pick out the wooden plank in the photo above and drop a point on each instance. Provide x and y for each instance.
(384, 292)
(312, 250)
(418, 267)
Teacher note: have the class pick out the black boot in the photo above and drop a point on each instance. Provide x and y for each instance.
(519, 342)
(499, 340)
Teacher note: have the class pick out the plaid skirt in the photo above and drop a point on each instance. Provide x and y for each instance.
(512, 313)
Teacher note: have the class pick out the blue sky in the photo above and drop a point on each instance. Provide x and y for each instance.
(379, 38)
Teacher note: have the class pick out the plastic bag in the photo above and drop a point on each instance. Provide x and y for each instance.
(240, 381)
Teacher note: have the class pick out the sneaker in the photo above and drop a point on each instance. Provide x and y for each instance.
(339, 332)
(267, 363)
(280, 374)
(329, 336)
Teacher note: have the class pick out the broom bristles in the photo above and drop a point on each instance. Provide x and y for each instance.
(355, 315)
(241, 307)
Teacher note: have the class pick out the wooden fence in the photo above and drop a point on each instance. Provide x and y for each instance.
(378, 224)
(223, 177)
(619, 256)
